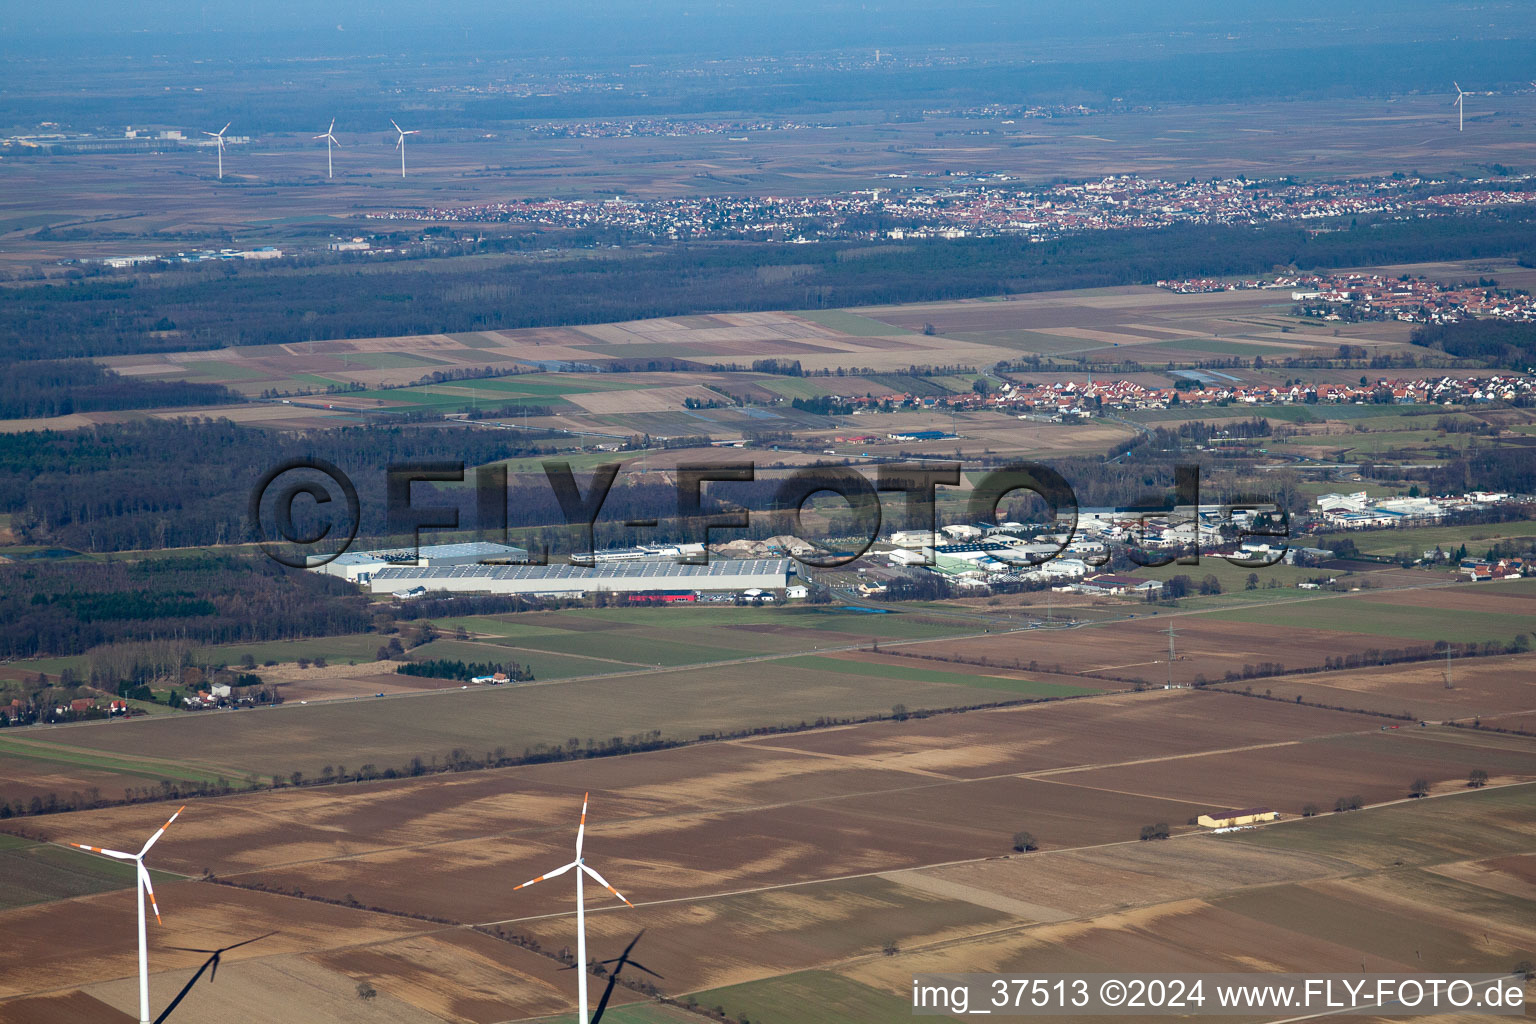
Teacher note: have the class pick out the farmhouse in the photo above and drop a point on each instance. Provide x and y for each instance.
(1246, 816)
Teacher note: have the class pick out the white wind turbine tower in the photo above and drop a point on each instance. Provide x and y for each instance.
(400, 144)
(1461, 108)
(330, 140)
(581, 910)
(218, 138)
(143, 887)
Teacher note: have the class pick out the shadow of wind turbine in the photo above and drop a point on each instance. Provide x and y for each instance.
(622, 960)
(211, 962)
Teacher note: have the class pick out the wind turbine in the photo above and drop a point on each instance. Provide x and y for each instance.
(142, 886)
(330, 140)
(400, 144)
(218, 138)
(1461, 108)
(213, 962)
(581, 910)
(622, 960)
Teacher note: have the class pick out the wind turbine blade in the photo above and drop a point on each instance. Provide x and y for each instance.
(600, 880)
(335, 141)
(106, 853)
(225, 128)
(332, 128)
(581, 829)
(558, 871)
(397, 127)
(211, 135)
(156, 837)
(413, 131)
(150, 891)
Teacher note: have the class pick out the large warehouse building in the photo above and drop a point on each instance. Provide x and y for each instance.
(360, 566)
(726, 574)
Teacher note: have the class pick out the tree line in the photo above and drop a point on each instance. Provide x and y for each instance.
(452, 668)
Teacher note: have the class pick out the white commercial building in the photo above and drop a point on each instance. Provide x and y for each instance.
(360, 566)
(727, 574)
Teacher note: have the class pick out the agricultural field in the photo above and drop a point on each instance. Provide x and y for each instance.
(33, 872)
(1489, 688)
(1478, 539)
(1493, 611)
(603, 673)
(779, 867)
(596, 257)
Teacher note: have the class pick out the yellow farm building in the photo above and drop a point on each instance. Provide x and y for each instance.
(1228, 819)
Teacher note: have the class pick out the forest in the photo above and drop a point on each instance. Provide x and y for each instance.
(71, 607)
(1510, 346)
(49, 387)
(254, 305)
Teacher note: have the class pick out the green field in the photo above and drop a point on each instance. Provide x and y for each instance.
(1317, 488)
(1289, 413)
(545, 666)
(631, 646)
(1233, 578)
(54, 750)
(850, 323)
(41, 873)
(1218, 347)
(554, 385)
(391, 360)
(335, 649)
(1032, 342)
(642, 637)
(1375, 618)
(218, 370)
(1478, 538)
(809, 997)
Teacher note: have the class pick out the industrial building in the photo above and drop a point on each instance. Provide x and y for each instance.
(727, 574)
(360, 566)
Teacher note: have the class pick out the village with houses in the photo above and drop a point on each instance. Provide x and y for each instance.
(1357, 296)
(975, 203)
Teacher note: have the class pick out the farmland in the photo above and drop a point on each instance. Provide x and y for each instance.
(1114, 246)
(605, 673)
(725, 849)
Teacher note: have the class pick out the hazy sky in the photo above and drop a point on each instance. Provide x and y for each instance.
(571, 27)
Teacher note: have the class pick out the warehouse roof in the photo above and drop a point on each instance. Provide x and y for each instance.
(467, 549)
(618, 570)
